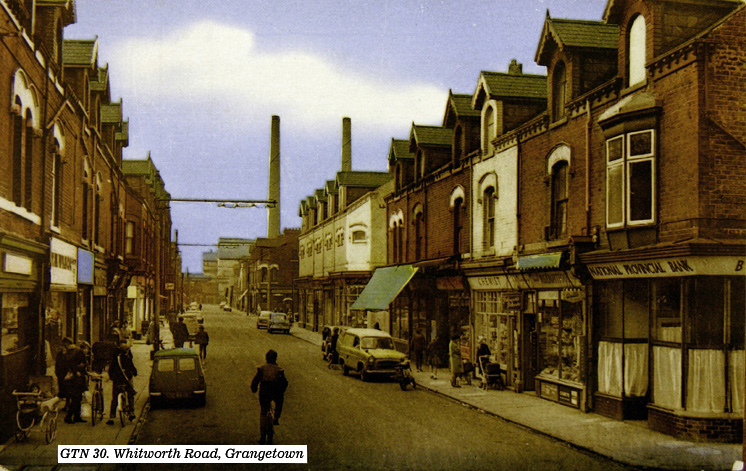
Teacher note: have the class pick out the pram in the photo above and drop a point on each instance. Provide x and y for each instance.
(36, 410)
(492, 374)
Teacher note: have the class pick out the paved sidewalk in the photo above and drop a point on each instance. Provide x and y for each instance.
(37, 453)
(628, 442)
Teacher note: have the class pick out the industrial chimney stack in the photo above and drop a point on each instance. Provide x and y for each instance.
(346, 145)
(273, 213)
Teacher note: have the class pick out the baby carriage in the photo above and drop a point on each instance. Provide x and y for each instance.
(36, 410)
(492, 373)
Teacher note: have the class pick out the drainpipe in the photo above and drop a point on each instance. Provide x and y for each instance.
(589, 124)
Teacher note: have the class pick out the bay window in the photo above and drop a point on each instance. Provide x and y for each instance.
(630, 179)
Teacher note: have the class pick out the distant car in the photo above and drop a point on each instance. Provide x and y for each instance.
(263, 319)
(278, 321)
(368, 352)
(177, 374)
(227, 308)
(194, 306)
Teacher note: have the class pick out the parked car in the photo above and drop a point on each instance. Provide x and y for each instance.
(278, 321)
(368, 352)
(227, 308)
(177, 374)
(263, 319)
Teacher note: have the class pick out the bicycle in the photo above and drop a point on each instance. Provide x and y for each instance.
(97, 397)
(124, 407)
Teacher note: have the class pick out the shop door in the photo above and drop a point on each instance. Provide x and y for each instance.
(507, 346)
(530, 357)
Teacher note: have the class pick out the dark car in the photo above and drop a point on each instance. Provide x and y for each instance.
(177, 374)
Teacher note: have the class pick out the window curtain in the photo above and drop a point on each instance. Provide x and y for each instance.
(610, 368)
(706, 381)
(636, 369)
(735, 373)
(667, 377)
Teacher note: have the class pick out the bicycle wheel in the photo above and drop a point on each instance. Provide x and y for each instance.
(97, 407)
(50, 426)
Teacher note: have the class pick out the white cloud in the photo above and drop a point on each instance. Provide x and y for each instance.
(216, 63)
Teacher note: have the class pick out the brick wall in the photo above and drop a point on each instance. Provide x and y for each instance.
(697, 429)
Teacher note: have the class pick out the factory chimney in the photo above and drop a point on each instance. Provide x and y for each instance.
(273, 213)
(346, 145)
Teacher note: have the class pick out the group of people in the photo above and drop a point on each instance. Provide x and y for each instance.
(73, 363)
(440, 353)
(180, 334)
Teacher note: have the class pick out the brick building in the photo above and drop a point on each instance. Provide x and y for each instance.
(62, 196)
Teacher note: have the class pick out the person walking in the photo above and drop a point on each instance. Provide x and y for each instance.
(70, 369)
(202, 339)
(271, 383)
(333, 354)
(435, 356)
(454, 354)
(419, 345)
(121, 371)
(180, 333)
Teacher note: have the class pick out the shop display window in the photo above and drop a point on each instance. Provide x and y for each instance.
(667, 309)
(561, 333)
(14, 308)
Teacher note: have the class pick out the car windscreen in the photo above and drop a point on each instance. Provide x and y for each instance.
(377, 342)
(278, 317)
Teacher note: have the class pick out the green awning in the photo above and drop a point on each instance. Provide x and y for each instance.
(384, 286)
(539, 261)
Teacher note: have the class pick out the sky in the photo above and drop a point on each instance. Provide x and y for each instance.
(200, 80)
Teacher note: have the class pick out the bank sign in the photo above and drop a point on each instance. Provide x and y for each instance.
(668, 267)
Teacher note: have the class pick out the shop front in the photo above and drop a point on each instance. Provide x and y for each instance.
(555, 327)
(670, 341)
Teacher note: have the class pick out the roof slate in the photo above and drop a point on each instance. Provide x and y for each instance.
(79, 52)
(399, 150)
(461, 104)
(506, 85)
(431, 135)
(576, 33)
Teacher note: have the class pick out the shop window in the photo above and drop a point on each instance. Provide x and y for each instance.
(667, 310)
(706, 316)
(561, 329)
(488, 222)
(14, 312)
(559, 91)
(737, 309)
(630, 179)
(636, 51)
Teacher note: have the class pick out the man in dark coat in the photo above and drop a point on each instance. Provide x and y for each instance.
(70, 368)
(180, 333)
(271, 382)
(419, 345)
(121, 372)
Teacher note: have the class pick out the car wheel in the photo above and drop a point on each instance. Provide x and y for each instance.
(345, 370)
(364, 375)
(201, 401)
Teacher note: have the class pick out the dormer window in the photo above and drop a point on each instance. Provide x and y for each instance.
(458, 147)
(636, 52)
(630, 179)
(559, 91)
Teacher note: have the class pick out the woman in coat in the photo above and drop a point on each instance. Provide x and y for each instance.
(457, 367)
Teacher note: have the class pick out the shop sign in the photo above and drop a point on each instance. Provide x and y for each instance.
(668, 267)
(551, 279)
(489, 282)
(17, 264)
(85, 266)
(568, 396)
(63, 262)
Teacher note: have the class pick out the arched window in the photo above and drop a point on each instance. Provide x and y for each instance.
(400, 240)
(264, 275)
(273, 273)
(419, 234)
(419, 165)
(489, 130)
(458, 225)
(86, 200)
(559, 91)
(18, 130)
(488, 222)
(58, 149)
(636, 52)
(558, 226)
(97, 210)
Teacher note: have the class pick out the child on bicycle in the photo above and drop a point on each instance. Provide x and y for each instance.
(271, 382)
(121, 372)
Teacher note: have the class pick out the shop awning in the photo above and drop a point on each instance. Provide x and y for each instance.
(539, 261)
(384, 286)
